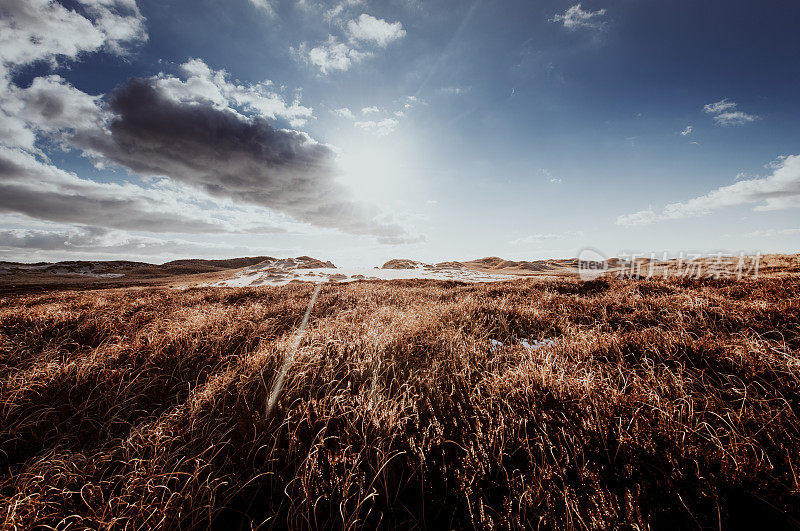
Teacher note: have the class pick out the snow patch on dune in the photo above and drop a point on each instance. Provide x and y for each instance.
(273, 275)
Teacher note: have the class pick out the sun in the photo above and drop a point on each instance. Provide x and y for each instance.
(374, 169)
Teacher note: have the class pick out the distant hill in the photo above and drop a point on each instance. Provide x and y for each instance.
(301, 262)
(97, 268)
(196, 265)
(402, 263)
(17, 276)
(493, 264)
(257, 270)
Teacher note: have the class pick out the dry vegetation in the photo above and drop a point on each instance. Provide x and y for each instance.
(662, 404)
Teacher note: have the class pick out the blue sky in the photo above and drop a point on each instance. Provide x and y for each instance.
(361, 131)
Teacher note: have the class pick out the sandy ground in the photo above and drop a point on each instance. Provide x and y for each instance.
(271, 275)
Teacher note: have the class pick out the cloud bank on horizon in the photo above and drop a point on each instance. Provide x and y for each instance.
(778, 191)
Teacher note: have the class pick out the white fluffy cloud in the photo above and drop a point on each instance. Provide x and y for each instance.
(44, 30)
(331, 55)
(724, 113)
(383, 120)
(363, 36)
(780, 190)
(375, 31)
(576, 17)
(202, 84)
(47, 106)
(344, 112)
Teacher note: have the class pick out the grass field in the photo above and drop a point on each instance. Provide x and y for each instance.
(660, 404)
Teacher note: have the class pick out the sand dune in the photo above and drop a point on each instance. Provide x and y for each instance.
(270, 274)
(108, 273)
(493, 264)
(490, 269)
(266, 270)
(402, 263)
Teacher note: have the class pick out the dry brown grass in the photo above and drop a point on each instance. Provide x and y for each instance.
(662, 404)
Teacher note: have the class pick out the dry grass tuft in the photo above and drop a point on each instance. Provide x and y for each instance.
(660, 404)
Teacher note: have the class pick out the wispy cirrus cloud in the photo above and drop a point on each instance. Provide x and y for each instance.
(576, 17)
(546, 236)
(454, 90)
(735, 118)
(265, 6)
(719, 107)
(379, 128)
(724, 113)
(772, 233)
(334, 13)
(552, 179)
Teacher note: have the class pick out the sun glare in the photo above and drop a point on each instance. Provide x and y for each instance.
(375, 171)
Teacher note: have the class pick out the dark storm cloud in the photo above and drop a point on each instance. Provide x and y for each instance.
(119, 213)
(95, 240)
(50, 241)
(42, 191)
(230, 155)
